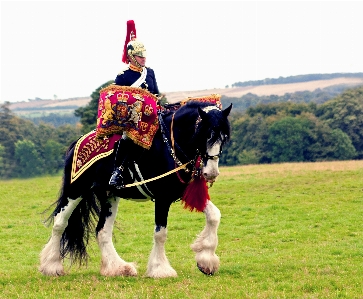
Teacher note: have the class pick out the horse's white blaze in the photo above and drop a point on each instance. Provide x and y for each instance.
(210, 170)
(50, 259)
(207, 241)
(111, 263)
(158, 265)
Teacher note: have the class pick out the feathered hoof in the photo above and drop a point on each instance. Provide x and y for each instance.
(205, 271)
(54, 271)
(165, 272)
(127, 269)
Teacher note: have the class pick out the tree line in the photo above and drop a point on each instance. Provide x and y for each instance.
(298, 132)
(27, 149)
(318, 96)
(36, 146)
(298, 127)
(297, 79)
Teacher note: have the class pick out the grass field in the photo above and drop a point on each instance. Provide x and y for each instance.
(287, 231)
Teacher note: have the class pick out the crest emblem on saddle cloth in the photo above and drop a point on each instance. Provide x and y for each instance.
(127, 109)
(148, 110)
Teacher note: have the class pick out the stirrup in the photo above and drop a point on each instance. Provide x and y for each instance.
(117, 179)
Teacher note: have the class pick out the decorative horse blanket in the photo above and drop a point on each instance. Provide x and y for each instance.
(118, 106)
(127, 109)
(89, 149)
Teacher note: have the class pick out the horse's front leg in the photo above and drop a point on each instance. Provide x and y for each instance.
(206, 243)
(158, 265)
(111, 263)
(50, 257)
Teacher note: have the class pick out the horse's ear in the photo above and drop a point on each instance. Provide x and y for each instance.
(202, 113)
(227, 110)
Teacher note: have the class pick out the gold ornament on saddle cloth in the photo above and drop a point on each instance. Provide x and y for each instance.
(127, 109)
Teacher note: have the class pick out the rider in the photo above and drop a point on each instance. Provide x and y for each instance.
(137, 75)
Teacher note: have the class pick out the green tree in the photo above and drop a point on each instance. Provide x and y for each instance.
(2, 154)
(66, 134)
(342, 146)
(88, 114)
(289, 139)
(9, 134)
(345, 112)
(248, 141)
(28, 159)
(53, 154)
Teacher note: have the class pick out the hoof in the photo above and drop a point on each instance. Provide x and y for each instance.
(122, 269)
(204, 270)
(57, 271)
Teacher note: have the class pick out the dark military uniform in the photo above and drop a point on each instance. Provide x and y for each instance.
(130, 151)
(128, 77)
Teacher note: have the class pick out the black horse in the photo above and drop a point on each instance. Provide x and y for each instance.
(189, 135)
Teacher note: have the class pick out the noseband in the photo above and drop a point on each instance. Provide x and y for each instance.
(215, 157)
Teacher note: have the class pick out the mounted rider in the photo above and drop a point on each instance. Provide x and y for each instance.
(136, 75)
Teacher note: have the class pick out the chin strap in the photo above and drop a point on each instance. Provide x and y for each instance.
(134, 60)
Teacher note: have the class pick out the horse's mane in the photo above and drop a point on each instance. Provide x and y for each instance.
(171, 108)
(216, 123)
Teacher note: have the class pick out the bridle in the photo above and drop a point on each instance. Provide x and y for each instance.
(206, 156)
(196, 162)
(198, 157)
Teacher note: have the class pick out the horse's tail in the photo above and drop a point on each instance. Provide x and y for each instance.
(81, 225)
(82, 222)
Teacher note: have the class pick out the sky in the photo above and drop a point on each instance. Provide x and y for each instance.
(66, 49)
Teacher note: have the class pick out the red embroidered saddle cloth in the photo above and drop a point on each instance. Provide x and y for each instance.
(113, 119)
(90, 149)
(127, 109)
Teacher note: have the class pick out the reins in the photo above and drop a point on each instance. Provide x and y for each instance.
(172, 153)
(158, 177)
(173, 147)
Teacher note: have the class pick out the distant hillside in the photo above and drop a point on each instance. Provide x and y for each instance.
(297, 79)
(266, 90)
(66, 106)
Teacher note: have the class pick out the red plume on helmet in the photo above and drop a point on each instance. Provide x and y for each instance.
(130, 35)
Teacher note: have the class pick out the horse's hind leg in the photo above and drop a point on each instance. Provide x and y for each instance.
(111, 263)
(50, 257)
(206, 243)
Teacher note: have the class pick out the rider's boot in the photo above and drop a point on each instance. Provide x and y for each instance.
(117, 178)
(127, 151)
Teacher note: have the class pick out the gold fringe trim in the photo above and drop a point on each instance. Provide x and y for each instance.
(136, 141)
(212, 97)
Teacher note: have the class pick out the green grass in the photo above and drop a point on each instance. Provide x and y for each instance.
(287, 231)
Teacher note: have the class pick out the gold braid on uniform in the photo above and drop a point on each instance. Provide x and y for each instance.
(135, 68)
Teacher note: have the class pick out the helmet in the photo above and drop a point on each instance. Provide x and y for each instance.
(136, 48)
(132, 47)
